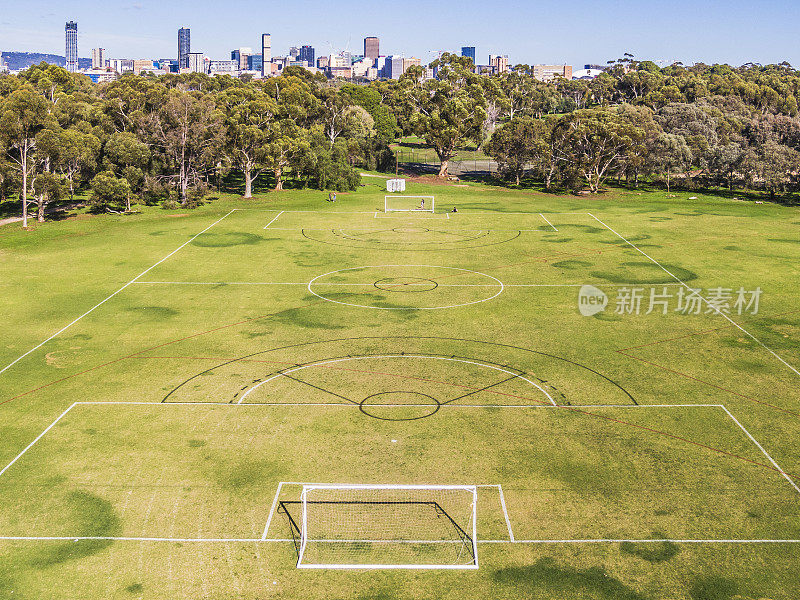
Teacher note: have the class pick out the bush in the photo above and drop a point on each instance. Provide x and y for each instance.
(110, 192)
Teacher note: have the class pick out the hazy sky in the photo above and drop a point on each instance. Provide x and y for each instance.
(574, 32)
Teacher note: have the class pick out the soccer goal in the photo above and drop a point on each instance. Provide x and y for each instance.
(409, 203)
(385, 526)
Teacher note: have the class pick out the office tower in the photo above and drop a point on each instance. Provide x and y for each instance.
(254, 63)
(98, 58)
(266, 55)
(184, 47)
(372, 47)
(294, 52)
(71, 31)
(196, 62)
(241, 55)
(469, 52)
(307, 54)
(499, 64)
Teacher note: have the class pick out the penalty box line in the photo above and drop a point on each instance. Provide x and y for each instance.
(581, 409)
(752, 439)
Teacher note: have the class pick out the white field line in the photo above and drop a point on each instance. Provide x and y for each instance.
(63, 329)
(505, 512)
(38, 437)
(717, 310)
(548, 222)
(29, 538)
(337, 360)
(764, 452)
(272, 511)
(456, 285)
(340, 404)
(273, 220)
(369, 212)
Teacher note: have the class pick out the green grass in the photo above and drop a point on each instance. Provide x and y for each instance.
(454, 384)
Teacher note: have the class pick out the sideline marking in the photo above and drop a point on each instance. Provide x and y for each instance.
(63, 329)
(760, 447)
(548, 222)
(273, 220)
(717, 310)
(10, 538)
(38, 437)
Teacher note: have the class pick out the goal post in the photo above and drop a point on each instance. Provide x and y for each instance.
(387, 527)
(396, 203)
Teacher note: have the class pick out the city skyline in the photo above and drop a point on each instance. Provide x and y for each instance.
(581, 33)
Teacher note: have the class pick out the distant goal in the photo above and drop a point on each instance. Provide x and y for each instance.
(409, 203)
(384, 526)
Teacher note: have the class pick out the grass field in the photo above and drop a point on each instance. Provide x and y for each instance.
(170, 379)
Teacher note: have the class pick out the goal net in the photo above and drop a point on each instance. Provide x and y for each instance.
(409, 203)
(387, 527)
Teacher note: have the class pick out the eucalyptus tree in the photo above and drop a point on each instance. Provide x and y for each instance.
(446, 111)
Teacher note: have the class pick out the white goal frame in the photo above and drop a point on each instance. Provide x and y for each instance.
(429, 200)
(473, 531)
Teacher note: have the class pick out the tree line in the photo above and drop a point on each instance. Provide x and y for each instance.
(170, 138)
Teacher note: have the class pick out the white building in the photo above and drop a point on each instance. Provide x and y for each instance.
(197, 62)
(98, 58)
(586, 73)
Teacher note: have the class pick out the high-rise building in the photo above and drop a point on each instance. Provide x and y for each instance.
(499, 64)
(469, 52)
(196, 62)
(71, 31)
(98, 58)
(393, 68)
(254, 63)
(242, 54)
(294, 52)
(266, 55)
(307, 54)
(184, 47)
(372, 48)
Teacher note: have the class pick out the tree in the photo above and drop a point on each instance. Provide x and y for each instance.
(187, 131)
(125, 155)
(514, 145)
(595, 142)
(286, 146)
(24, 115)
(71, 152)
(47, 187)
(448, 111)
(249, 120)
(670, 154)
(109, 191)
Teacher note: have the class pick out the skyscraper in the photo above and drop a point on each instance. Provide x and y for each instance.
(98, 58)
(184, 47)
(71, 31)
(266, 55)
(307, 54)
(469, 52)
(372, 47)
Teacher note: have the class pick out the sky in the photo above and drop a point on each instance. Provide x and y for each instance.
(575, 32)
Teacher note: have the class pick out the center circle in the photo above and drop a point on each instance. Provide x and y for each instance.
(406, 284)
(411, 230)
(399, 406)
(446, 287)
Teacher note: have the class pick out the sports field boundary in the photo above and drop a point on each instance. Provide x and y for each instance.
(132, 281)
(685, 285)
